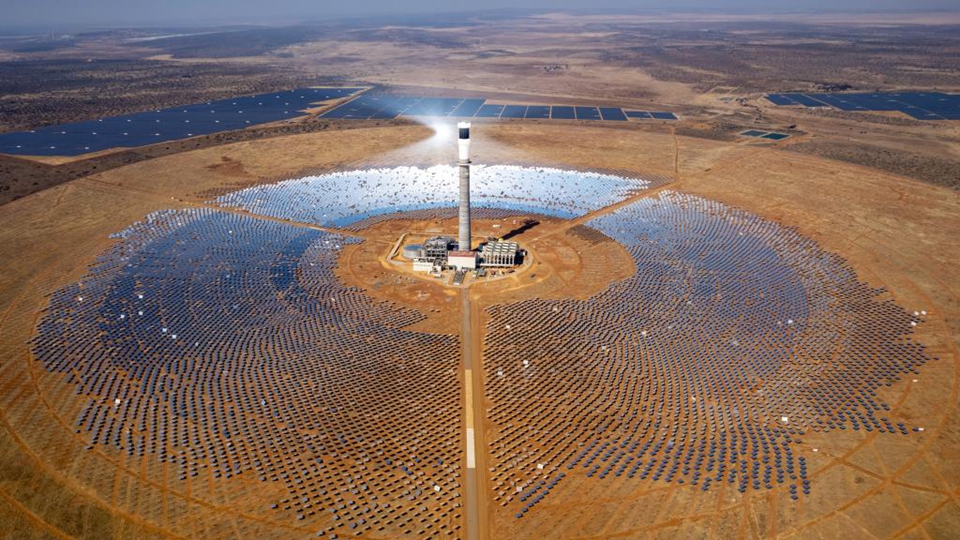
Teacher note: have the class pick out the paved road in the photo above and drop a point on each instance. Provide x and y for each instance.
(474, 493)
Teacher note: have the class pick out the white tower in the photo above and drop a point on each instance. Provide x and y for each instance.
(464, 147)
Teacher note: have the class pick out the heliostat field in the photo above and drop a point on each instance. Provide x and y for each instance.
(224, 344)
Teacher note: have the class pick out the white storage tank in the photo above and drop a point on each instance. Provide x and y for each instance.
(412, 251)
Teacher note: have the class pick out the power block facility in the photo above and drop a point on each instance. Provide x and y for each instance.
(499, 254)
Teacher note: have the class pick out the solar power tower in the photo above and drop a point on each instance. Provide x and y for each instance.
(464, 144)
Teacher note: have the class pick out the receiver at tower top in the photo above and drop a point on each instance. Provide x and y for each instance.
(464, 141)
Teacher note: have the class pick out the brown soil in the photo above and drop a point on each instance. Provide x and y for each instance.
(563, 262)
(20, 176)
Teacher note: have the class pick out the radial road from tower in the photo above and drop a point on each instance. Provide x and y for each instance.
(474, 484)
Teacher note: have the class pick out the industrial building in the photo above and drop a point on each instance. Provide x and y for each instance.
(426, 265)
(436, 248)
(431, 256)
(463, 260)
(499, 254)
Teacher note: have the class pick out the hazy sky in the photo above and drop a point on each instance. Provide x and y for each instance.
(86, 13)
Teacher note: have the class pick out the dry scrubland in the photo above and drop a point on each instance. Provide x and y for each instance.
(712, 70)
(897, 233)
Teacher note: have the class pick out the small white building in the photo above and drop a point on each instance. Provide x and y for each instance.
(463, 260)
(423, 265)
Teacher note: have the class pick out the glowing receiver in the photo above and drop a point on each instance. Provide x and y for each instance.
(464, 141)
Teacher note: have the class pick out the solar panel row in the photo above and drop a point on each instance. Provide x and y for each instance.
(563, 113)
(514, 111)
(648, 115)
(805, 100)
(587, 113)
(166, 124)
(490, 111)
(772, 135)
(370, 106)
(777, 99)
(613, 113)
(538, 111)
(919, 105)
(469, 107)
(231, 114)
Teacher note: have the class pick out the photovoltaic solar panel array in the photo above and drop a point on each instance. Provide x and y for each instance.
(760, 134)
(177, 123)
(652, 115)
(919, 105)
(166, 124)
(374, 106)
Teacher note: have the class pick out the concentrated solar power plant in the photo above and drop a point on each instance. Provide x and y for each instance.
(919, 105)
(222, 344)
(733, 339)
(225, 347)
(167, 124)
